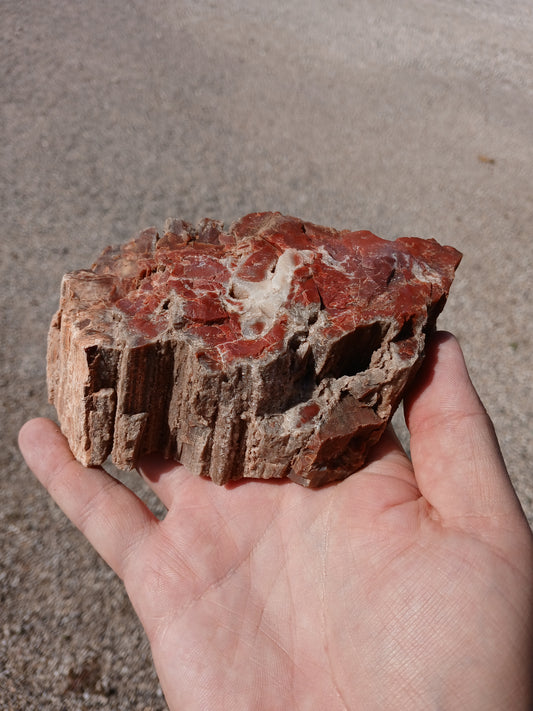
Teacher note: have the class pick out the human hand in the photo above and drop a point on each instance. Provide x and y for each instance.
(406, 586)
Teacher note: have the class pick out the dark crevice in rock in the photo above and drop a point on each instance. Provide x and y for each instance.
(352, 353)
(407, 331)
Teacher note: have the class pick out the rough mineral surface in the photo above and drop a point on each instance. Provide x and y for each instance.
(274, 348)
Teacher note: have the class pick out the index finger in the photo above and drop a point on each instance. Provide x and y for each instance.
(110, 516)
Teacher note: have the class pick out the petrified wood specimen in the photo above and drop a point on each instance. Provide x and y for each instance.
(275, 348)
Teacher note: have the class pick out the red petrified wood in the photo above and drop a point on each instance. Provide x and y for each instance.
(275, 348)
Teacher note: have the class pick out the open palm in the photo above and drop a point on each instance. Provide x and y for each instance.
(406, 586)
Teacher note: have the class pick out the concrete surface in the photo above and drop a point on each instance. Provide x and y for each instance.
(406, 118)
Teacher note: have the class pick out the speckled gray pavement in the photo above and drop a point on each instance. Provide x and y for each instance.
(405, 118)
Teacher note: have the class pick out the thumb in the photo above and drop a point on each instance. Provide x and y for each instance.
(455, 453)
